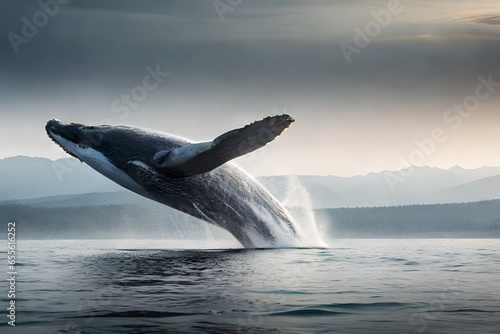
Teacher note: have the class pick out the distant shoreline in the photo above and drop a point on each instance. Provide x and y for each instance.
(153, 221)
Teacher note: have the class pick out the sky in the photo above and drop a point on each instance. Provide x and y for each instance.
(373, 85)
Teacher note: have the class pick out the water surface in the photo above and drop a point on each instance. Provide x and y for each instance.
(357, 286)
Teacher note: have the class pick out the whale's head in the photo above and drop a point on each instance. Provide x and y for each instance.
(117, 152)
(76, 139)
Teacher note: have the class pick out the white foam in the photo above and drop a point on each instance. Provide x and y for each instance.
(297, 197)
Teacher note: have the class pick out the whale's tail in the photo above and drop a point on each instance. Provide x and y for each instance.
(198, 158)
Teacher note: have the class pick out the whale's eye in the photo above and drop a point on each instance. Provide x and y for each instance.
(161, 156)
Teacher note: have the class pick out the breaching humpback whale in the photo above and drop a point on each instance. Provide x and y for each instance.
(195, 178)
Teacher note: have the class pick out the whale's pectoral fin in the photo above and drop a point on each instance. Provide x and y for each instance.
(192, 159)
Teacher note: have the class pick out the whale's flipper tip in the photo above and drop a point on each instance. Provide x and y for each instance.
(259, 133)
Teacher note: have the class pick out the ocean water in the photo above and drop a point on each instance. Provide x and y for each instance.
(355, 286)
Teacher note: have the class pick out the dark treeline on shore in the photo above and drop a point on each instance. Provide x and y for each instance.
(479, 219)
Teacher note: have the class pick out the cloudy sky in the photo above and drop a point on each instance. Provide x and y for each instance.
(365, 80)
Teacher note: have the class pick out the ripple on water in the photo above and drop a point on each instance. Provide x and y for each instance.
(343, 308)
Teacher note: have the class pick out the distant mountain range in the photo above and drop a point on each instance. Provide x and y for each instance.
(67, 182)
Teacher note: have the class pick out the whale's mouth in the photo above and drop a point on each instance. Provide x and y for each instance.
(65, 135)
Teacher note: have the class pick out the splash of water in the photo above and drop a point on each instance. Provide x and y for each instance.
(297, 199)
(293, 197)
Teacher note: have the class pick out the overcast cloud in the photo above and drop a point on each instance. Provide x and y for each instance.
(352, 118)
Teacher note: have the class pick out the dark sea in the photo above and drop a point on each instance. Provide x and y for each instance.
(356, 286)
